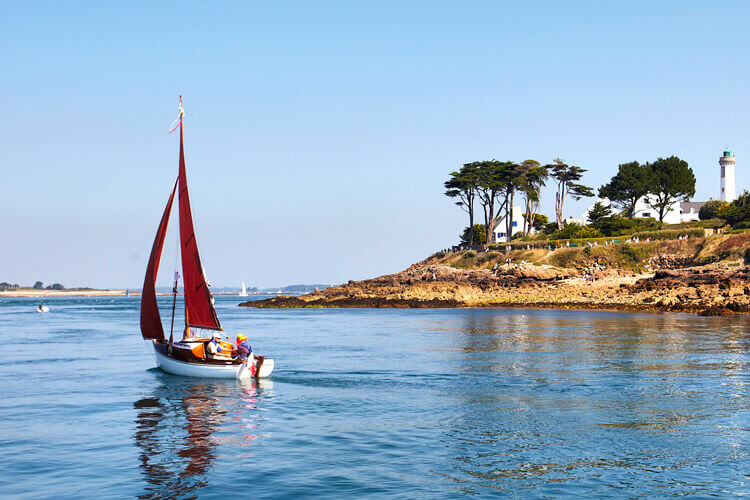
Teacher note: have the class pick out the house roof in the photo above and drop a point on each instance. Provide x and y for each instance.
(685, 206)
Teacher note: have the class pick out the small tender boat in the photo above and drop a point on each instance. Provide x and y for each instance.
(41, 308)
(189, 356)
(243, 292)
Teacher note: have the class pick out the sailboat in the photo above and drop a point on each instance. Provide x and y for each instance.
(243, 292)
(189, 356)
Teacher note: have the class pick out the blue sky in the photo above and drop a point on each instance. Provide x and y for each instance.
(319, 134)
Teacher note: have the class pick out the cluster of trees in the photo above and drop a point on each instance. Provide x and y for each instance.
(737, 213)
(55, 286)
(37, 286)
(664, 182)
(495, 184)
(710, 209)
(474, 235)
(607, 223)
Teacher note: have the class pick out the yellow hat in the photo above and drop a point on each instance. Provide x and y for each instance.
(241, 337)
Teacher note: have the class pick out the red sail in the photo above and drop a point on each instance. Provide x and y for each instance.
(150, 320)
(199, 309)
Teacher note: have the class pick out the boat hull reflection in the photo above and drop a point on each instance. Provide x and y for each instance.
(179, 431)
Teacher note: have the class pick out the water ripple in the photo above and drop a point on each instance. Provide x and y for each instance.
(379, 403)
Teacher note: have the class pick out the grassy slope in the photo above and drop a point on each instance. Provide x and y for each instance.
(637, 257)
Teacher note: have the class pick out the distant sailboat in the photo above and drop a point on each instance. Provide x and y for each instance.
(188, 356)
(243, 292)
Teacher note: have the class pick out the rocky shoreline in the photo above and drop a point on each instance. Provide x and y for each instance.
(696, 275)
(708, 290)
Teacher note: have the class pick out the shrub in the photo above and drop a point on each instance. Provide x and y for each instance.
(480, 235)
(618, 226)
(712, 223)
(548, 228)
(469, 255)
(486, 257)
(736, 212)
(709, 260)
(633, 255)
(710, 209)
(542, 242)
(598, 212)
(669, 234)
(564, 257)
(575, 231)
(540, 222)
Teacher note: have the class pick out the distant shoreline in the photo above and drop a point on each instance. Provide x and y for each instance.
(62, 293)
(28, 292)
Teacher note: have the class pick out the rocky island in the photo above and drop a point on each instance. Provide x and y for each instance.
(705, 275)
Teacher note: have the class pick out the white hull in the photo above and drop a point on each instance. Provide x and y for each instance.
(42, 309)
(175, 367)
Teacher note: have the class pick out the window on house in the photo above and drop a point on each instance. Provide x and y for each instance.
(500, 235)
(515, 223)
(646, 214)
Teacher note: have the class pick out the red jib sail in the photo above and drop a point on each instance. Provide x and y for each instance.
(199, 309)
(150, 320)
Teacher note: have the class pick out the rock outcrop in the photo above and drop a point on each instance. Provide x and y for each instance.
(665, 281)
(705, 290)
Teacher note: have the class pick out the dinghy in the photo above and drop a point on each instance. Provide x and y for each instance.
(189, 356)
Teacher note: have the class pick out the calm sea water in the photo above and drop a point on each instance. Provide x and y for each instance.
(402, 403)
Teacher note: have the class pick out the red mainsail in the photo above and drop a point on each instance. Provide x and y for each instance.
(150, 319)
(199, 309)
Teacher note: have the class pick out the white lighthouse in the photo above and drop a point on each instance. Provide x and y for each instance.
(727, 176)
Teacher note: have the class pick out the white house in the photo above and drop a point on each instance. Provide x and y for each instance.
(685, 211)
(498, 232)
(689, 210)
(680, 211)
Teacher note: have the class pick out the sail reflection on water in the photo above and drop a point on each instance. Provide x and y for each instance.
(181, 431)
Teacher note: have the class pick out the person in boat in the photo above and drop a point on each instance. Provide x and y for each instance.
(244, 350)
(214, 347)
